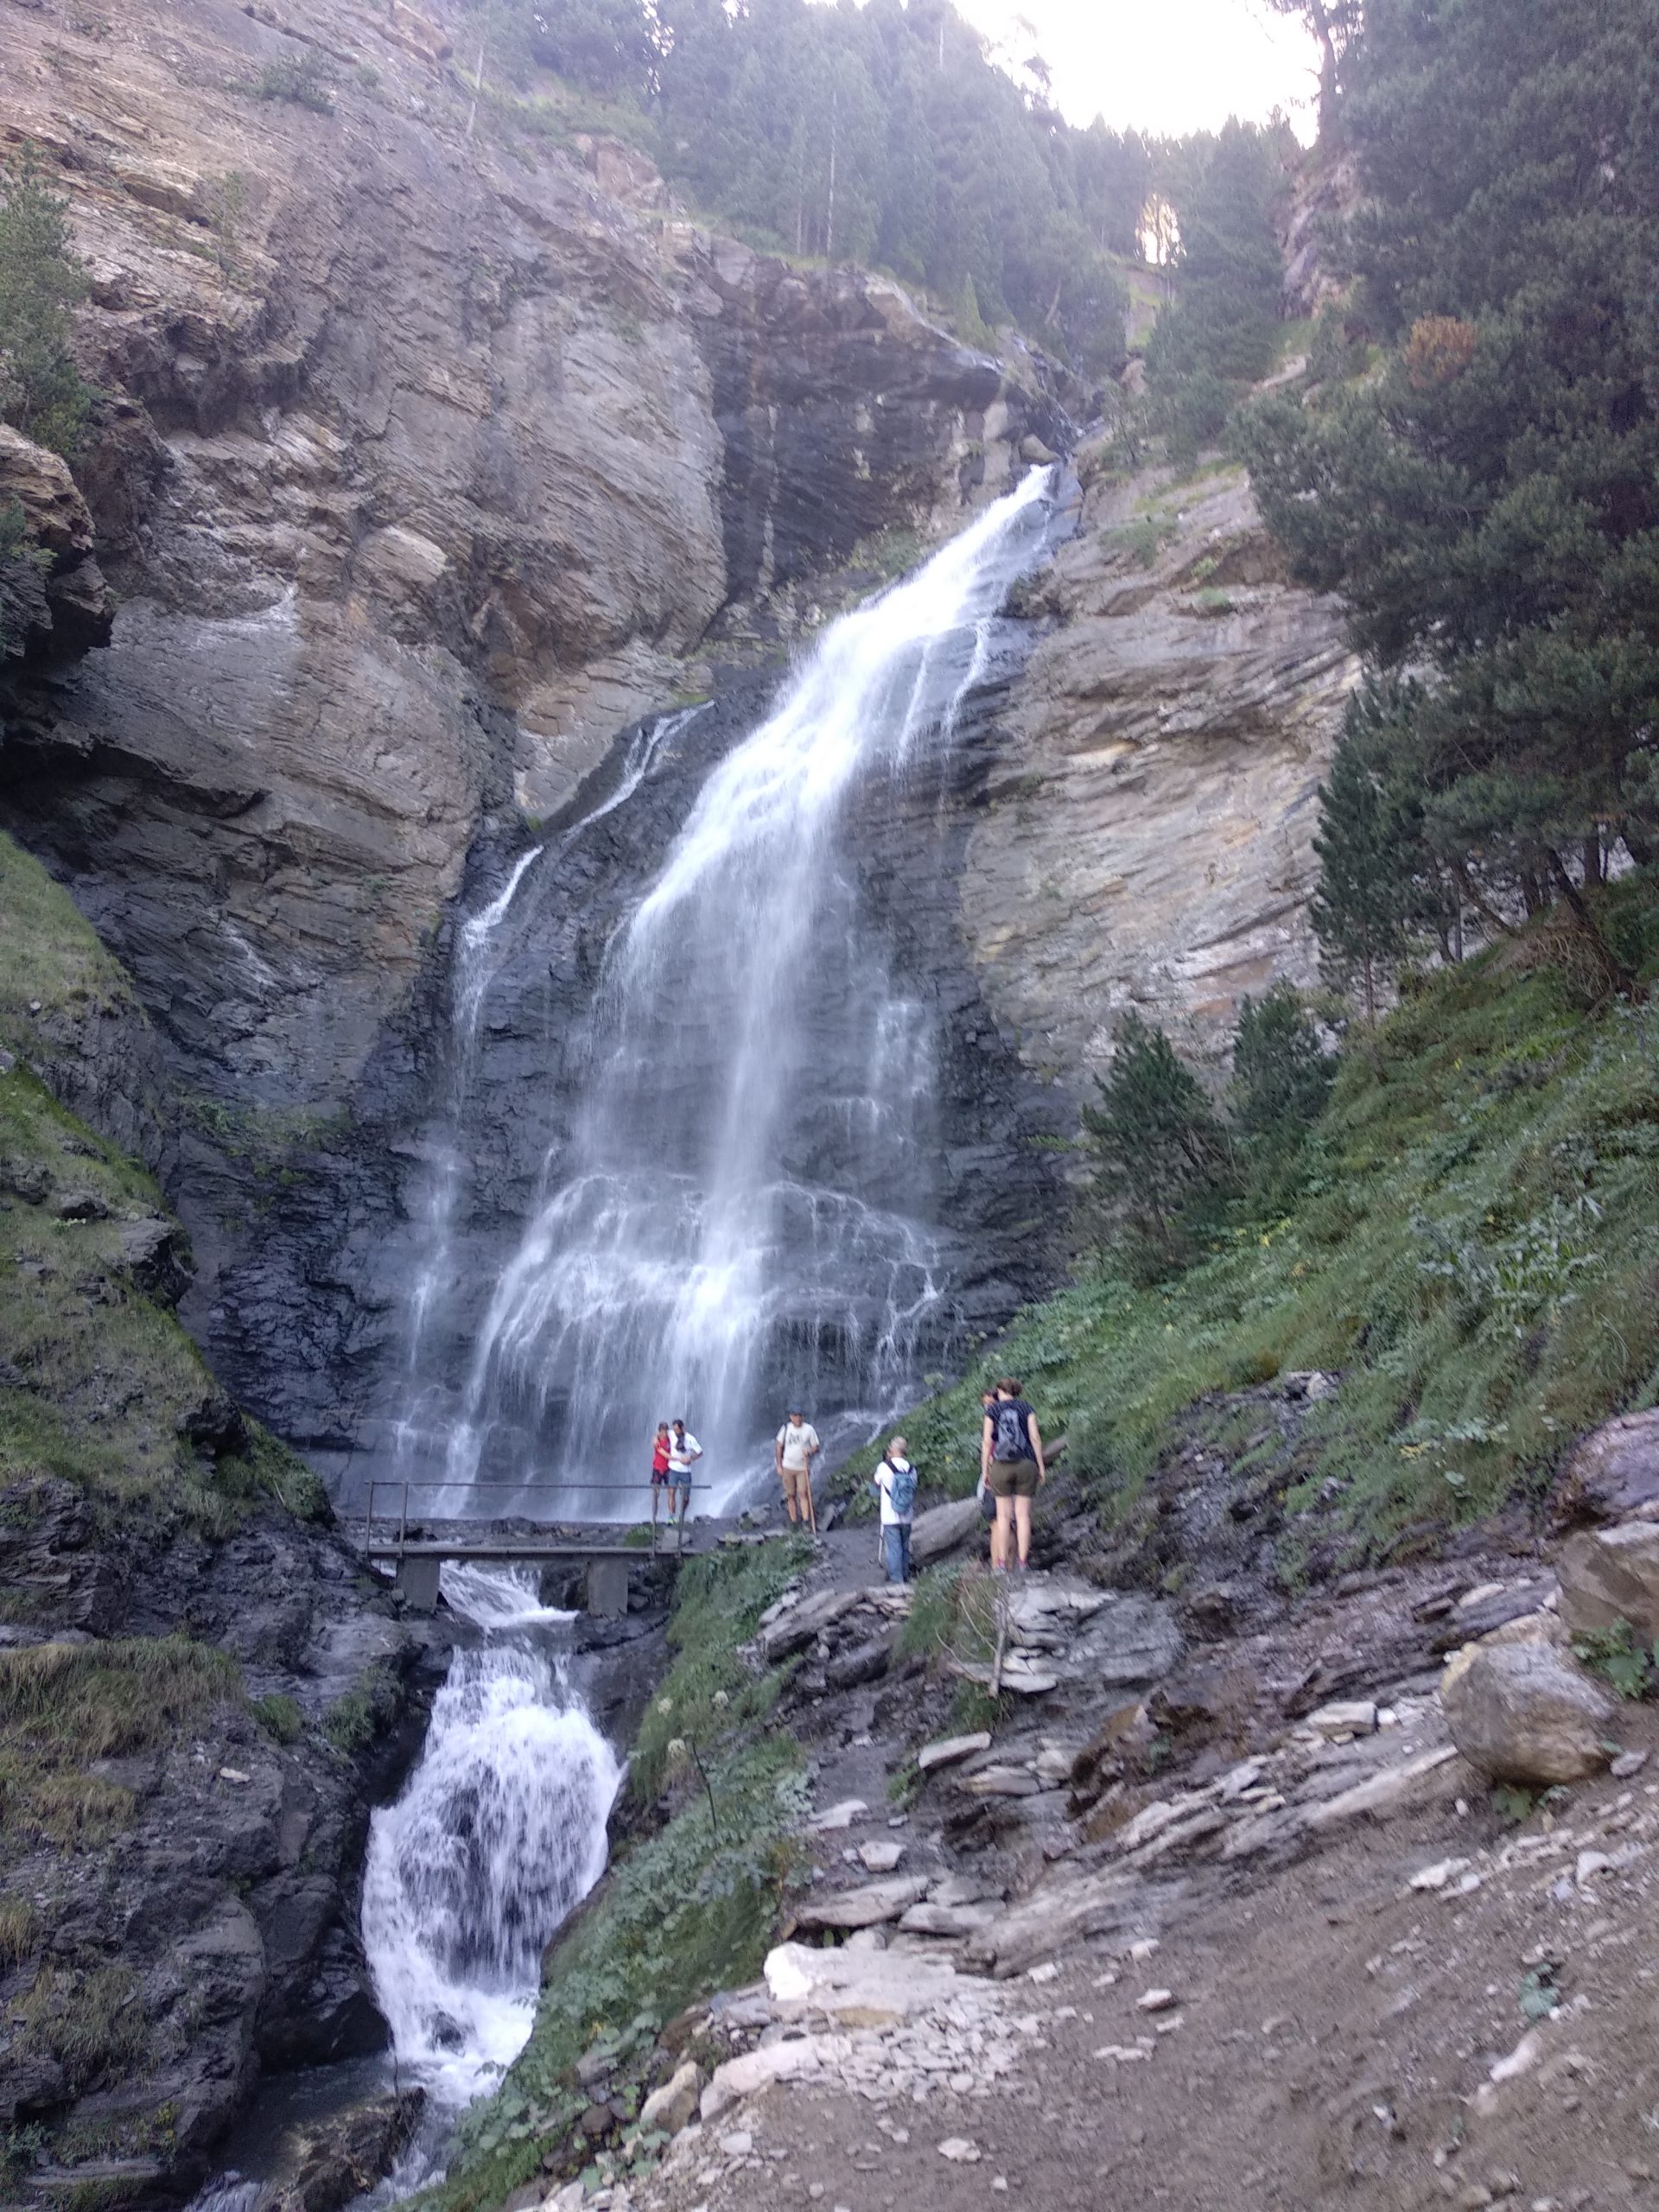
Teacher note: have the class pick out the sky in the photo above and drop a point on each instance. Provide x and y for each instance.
(1168, 67)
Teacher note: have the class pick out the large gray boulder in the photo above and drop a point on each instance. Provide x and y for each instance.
(1522, 1713)
(1614, 1471)
(1609, 1575)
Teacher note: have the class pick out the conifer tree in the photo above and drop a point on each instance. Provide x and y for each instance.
(1487, 503)
(1281, 1078)
(1163, 1154)
(1361, 909)
(42, 392)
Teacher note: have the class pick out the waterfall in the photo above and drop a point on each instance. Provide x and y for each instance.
(498, 1834)
(477, 956)
(744, 1211)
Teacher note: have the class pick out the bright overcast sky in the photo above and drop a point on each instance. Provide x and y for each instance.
(1165, 67)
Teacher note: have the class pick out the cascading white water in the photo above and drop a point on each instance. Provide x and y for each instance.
(739, 1193)
(498, 1834)
(477, 956)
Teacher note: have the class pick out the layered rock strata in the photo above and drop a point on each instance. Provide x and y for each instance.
(1148, 838)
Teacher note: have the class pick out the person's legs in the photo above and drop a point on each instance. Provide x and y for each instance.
(890, 1537)
(1022, 1523)
(787, 1478)
(1002, 1534)
(903, 1551)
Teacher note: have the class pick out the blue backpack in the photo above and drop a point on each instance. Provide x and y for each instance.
(902, 1489)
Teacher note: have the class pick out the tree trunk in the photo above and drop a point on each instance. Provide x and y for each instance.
(1619, 977)
(1319, 17)
(1484, 907)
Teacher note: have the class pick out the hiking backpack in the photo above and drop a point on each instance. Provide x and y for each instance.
(1009, 1440)
(902, 1489)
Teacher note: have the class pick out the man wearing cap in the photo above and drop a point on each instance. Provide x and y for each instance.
(795, 1447)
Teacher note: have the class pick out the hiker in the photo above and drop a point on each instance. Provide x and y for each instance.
(683, 1449)
(794, 1449)
(659, 1456)
(986, 1503)
(895, 1481)
(1011, 1468)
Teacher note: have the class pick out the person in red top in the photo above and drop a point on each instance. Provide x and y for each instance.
(659, 1453)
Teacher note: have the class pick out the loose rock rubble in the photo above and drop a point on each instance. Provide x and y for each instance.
(1150, 1781)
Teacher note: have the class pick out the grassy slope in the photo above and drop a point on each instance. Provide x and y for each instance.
(1476, 1249)
(94, 1376)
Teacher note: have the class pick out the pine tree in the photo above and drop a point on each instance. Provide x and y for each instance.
(42, 392)
(1489, 503)
(1163, 1155)
(1281, 1078)
(1361, 910)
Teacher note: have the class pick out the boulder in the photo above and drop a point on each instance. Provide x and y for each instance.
(866, 1907)
(1129, 1640)
(999, 1782)
(673, 2106)
(778, 2062)
(1613, 1472)
(1608, 1575)
(804, 1623)
(948, 1750)
(351, 2153)
(1522, 1713)
(1059, 1914)
(942, 1529)
(865, 1662)
(857, 1988)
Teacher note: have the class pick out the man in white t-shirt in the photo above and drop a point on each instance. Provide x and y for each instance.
(683, 1449)
(795, 1447)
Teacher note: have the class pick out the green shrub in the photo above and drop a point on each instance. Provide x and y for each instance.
(372, 1703)
(90, 2020)
(41, 280)
(303, 78)
(279, 1716)
(1613, 1653)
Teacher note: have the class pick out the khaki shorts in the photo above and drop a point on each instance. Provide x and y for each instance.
(798, 1486)
(1012, 1479)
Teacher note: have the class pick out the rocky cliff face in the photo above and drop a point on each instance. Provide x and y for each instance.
(434, 454)
(1147, 840)
(426, 463)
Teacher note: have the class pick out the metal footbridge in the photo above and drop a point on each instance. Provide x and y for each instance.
(416, 1543)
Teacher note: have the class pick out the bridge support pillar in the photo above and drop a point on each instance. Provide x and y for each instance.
(417, 1583)
(606, 1586)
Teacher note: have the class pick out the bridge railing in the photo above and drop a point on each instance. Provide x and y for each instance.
(401, 1486)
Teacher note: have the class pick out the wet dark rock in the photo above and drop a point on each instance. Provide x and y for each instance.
(229, 1888)
(216, 1425)
(153, 1253)
(81, 1205)
(24, 1179)
(347, 2157)
(866, 1662)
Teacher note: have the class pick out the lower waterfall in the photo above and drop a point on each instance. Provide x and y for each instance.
(499, 1833)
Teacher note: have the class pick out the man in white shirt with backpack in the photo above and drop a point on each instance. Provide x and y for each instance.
(896, 1480)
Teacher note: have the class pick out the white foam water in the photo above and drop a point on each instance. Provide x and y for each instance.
(746, 1202)
(499, 1833)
